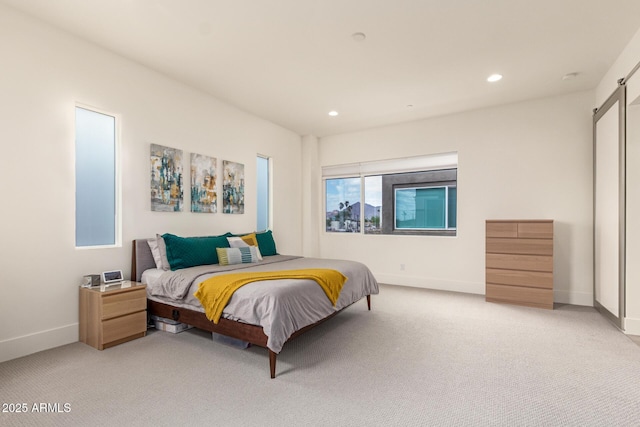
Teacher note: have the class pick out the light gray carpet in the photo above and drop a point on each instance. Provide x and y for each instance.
(420, 357)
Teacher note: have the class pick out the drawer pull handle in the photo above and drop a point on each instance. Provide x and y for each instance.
(175, 314)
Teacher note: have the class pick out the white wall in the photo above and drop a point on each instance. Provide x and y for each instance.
(627, 60)
(527, 160)
(44, 73)
(312, 195)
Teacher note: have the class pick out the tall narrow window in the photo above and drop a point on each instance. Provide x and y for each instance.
(96, 186)
(263, 193)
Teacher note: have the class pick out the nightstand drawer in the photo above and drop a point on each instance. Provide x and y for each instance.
(123, 303)
(124, 326)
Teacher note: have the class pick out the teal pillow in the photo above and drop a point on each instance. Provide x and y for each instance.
(183, 252)
(266, 244)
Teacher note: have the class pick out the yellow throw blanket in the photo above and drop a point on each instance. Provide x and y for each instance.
(215, 293)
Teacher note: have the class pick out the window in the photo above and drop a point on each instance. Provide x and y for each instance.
(424, 208)
(343, 205)
(263, 193)
(96, 185)
(372, 204)
(415, 195)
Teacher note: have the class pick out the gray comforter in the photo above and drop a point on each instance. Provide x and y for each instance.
(281, 307)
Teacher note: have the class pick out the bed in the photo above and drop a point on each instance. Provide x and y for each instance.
(264, 313)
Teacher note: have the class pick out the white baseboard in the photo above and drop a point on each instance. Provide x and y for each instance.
(39, 341)
(427, 283)
(559, 296)
(573, 298)
(631, 326)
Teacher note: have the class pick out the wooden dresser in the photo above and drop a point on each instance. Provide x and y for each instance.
(519, 262)
(112, 316)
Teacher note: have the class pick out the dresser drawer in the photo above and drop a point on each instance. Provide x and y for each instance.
(520, 246)
(533, 279)
(124, 326)
(502, 229)
(535, 230)
(520, 262)
(535, 297)
(123, 303)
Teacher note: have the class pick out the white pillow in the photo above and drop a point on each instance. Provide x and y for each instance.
(237, 242)
(159, 252)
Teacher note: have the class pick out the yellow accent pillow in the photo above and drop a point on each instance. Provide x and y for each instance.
(250, 239)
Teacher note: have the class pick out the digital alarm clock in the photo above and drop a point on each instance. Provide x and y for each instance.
(111, 277)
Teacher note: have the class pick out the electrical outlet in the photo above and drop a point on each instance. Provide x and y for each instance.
(401, 267)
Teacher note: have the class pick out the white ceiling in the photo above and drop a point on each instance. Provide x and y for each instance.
(292, 61)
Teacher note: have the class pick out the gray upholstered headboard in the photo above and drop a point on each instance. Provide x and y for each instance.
(142, 259)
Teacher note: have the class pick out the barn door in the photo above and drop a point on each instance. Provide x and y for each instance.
(609, 206)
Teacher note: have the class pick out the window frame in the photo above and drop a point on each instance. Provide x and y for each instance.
(432, 178)
(117, 223)
(423, 187)
(269, 201)
(436, 170)
(360, 211)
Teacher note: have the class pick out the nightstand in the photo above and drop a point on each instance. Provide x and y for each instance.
(111, 315)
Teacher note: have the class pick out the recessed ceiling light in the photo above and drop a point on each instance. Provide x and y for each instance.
(359, 37)
(494, 78)
(333, 113)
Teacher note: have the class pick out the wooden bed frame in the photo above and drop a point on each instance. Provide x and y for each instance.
(242, 331)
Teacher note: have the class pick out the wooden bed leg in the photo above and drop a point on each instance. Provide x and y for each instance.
(369, 302)
(272, 363)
